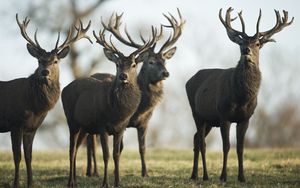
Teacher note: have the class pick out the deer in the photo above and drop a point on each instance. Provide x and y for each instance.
(104, 106)
(25, 102)
(219, 97)
(150, 81)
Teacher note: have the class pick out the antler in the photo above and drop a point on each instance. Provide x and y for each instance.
(23, 27)
(114, 27)
(81, 33)
(281, 22)
(234, 35)
(177, 30)
(101, 40)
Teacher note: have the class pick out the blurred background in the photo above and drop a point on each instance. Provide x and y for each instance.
(203, 44)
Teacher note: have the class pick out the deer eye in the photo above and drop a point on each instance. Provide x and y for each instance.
(55, 62)
(257, 44)
(133, 65)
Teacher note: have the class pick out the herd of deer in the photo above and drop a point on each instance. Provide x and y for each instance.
(105, 104)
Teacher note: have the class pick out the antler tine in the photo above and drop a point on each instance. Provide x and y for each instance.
(154, 34)
(281, 22)
(157, 38)
(66, 40)
(142, 38)
(152, 41)
(23, 27)
(242, 21)
(234, 35)
(118, 20)
(112, 44)
(114, 28)
(80, 34)
(257, 24)
(160, 33)
(131, 42)
(177, 30)
(57, 41)
(101, 40)
(35, 38)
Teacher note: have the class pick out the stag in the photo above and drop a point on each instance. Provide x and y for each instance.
(150, 81)
(104, 106)
(25, 102)
(219, 97)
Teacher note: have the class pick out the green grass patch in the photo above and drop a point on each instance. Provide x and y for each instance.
(166, 168)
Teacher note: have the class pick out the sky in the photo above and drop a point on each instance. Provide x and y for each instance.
(203, 44)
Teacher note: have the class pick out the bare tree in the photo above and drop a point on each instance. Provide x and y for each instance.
(72, 12)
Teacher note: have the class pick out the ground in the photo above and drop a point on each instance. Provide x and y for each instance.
(167, 168)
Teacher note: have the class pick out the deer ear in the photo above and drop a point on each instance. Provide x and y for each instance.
(110, 55)
(63, 53)
(142, 57)
(33, 51)
(169, 54)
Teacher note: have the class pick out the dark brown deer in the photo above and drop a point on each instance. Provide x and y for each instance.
(25, 102)
(104, 106)
(150, 81)
(219, 97)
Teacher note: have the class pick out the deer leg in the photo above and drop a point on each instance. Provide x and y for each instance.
(72, 158)
(27, 144)
(121, 146)
(142, 149)
(116, 156)
(94, 146)
(89, 149)
(225, 127)
(199, 145)
(105, 150)
(194, 175)
(240, 136)
(16, 139)
(202, 146)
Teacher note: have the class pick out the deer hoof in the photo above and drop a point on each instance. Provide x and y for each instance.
(205, 177)
(241, 179)
(194, 176)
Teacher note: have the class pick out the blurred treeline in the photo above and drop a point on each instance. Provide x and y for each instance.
(276, 120)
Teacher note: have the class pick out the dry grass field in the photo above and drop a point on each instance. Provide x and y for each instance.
(167, 168)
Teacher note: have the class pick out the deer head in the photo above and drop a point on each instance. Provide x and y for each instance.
(249, 46)
(48, 69)
(154, 64)
(126, 65)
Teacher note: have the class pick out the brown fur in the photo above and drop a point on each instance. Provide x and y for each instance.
(150, 82)
(25, 103)
(101, 107)
(219, 97)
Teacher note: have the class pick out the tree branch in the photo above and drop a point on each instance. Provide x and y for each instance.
(78, 14)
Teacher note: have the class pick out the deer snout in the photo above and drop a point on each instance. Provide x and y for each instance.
(123, 77)
(45, 72)
(246, 51)
(166, 73)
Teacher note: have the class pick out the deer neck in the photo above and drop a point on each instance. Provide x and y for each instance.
(146, 85)
(124, 99)
(43, 96)
(246, 80)
(151, 92)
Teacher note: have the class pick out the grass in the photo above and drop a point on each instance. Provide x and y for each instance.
(167, 168)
